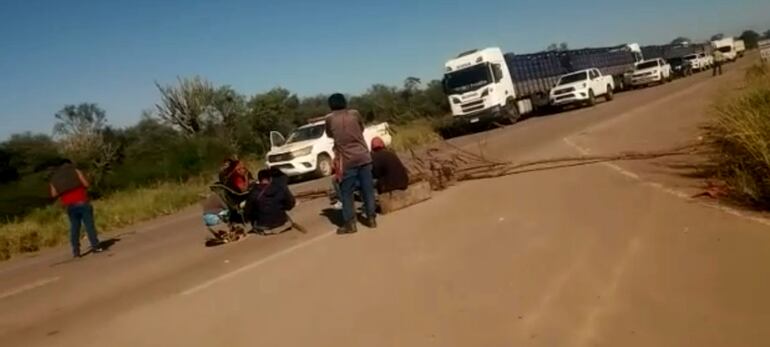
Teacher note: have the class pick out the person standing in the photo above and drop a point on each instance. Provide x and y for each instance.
(347, 129)
(70, 186)
(719, 59)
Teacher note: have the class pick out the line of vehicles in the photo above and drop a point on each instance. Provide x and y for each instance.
(489, 85)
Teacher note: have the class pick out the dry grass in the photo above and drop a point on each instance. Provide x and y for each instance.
(740, 138)
(413, 135)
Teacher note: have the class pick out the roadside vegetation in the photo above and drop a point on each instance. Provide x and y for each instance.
(164, 162)
(740, 138)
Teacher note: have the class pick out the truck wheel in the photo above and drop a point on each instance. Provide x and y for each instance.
(511, 113)
(609, 96)
(323, 166)
(591, 98)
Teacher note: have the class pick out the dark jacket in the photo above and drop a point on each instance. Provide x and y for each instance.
(389, 171)
(347, 130)
(267, 204)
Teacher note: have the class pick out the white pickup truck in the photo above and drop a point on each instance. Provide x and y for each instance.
(699, 61)
(651, 71)
(582, 87)
(308, 149)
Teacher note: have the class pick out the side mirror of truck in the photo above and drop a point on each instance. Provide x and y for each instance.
(276, 139)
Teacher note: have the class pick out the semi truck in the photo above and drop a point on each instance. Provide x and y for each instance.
(488, 85)
(727, 47)
(764, 50)
(740, 48)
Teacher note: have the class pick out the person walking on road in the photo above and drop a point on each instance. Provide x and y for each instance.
(70, 186)
(719, 59)
(347, 129)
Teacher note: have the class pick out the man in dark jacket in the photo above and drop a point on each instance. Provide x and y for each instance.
(387, 169)
(267, 204)
(347, 129)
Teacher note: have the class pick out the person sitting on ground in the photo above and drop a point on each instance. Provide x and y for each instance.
(235, 176)
(389, 172)
(267, 203)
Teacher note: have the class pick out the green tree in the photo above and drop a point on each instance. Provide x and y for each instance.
(80, 130)
(8, 173)
(187, 104)
(30, 153)
(557, 47)
(767, 34)
(274, 110)
(750, 38)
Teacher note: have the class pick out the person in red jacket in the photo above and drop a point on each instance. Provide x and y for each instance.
(70, 186)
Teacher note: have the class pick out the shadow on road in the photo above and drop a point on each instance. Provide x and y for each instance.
(334, 216)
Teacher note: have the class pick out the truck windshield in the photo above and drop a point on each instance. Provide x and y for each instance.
(468, 79)
(572, 78)
(307, 133)
(647, 65)
(691, 57)
(725, 49)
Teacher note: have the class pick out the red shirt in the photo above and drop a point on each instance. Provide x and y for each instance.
(240, 182)
(75, 196)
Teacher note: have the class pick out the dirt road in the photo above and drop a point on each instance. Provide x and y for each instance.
(602, 255)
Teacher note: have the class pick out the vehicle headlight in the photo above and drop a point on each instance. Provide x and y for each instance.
(485, 93)
(456, 100)
(302, 152)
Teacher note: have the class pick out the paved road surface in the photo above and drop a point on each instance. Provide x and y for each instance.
(601, 255)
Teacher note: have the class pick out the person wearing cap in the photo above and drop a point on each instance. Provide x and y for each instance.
(389, 172)
(345, 126)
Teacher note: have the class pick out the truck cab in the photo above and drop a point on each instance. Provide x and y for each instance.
(581, 87)
(479, 87)
(727, 47)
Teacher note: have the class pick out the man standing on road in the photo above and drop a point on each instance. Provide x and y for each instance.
(719, 59)
(347, 129)
(70, 186)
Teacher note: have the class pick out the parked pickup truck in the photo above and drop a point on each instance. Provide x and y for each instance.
(582, 87)
(651, 71)
(698, 61)
(308, 149)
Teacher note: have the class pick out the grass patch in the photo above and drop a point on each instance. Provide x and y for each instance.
(740, 138)
(413, 135)
(48, 227)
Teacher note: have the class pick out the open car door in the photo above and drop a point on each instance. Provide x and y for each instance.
(276, 139)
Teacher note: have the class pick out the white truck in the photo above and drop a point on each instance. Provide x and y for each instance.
(486, 84)
(727, 47)
(582, 87)
(651, 71)
(699, 61)
(479, 86)
(309, 150)
(764, 50)
(740, 48)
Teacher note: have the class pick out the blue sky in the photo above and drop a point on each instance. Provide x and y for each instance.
(54, 53)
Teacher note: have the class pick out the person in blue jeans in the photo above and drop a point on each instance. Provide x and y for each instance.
(70, 186)
(347, 129)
